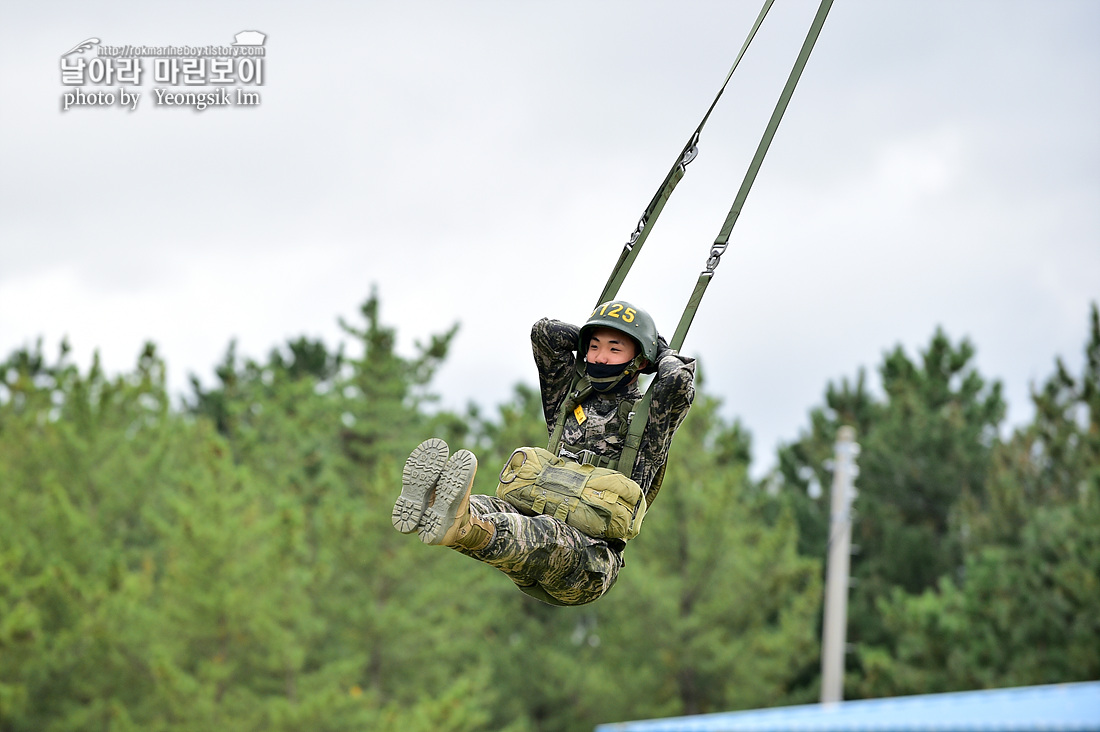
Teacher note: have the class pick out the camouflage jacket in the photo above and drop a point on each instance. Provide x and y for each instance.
(554, 344)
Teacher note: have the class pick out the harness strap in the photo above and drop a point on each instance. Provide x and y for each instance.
(638, 424)
(586, 457)
(722, 239)
(649, 217)
(633, 440)
(581, 389)
(578, 393)
(633, 246)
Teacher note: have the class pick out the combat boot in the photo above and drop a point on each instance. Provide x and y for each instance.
(418, 480)
(449, 521)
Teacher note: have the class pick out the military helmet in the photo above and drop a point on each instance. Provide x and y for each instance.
(625, 318)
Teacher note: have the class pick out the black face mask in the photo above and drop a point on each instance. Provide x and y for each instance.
(606, 377)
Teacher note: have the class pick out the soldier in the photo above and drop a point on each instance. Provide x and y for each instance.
(545, 556)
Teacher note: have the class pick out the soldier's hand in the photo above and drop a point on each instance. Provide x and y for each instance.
(662, 351)
(662, 347)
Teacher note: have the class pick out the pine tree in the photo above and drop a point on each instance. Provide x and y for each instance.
(1025, 608)
(928, 447)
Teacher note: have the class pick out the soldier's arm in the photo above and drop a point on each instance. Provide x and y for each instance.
(673, 392)
(553, 344)
(674, 384)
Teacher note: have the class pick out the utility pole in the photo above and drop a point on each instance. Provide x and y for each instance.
(834, 632)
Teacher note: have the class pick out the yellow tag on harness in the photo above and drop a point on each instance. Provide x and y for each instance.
(579, 414)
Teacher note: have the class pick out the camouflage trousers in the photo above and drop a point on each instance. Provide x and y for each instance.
(571, 567)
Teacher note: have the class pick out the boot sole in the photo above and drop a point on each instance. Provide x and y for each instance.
(418, 479)
(453, 486)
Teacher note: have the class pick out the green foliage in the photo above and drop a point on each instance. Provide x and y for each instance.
(231, 565)
(1020, 615)
(1025, 609)
(968, 542)
(927, 444)
(717, 582)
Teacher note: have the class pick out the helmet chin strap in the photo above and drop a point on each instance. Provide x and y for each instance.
(607, 383)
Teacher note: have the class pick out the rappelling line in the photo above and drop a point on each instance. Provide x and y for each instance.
(645, 224)
(720, 243)
(641, 416)
(581, 387)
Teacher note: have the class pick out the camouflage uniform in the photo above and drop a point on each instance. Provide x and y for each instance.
(570, 566)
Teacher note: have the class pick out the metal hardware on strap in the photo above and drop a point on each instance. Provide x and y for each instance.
(508, 464)
(691, 152)
(635, 234)
(716, 252)
(585, 457)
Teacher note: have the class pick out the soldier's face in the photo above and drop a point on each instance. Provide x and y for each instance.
(610, 347)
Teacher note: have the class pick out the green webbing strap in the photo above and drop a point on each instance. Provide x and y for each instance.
(722, 240)
(769, 133)
(577, 394)
(634, 245)
(634, 437)
(637, 425)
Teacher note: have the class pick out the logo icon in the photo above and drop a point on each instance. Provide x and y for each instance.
(249, 38)
(85, 44)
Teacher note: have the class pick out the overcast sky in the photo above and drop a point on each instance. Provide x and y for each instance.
(483, 163)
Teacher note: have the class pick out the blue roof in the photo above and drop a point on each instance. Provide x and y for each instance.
(1071, 707)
